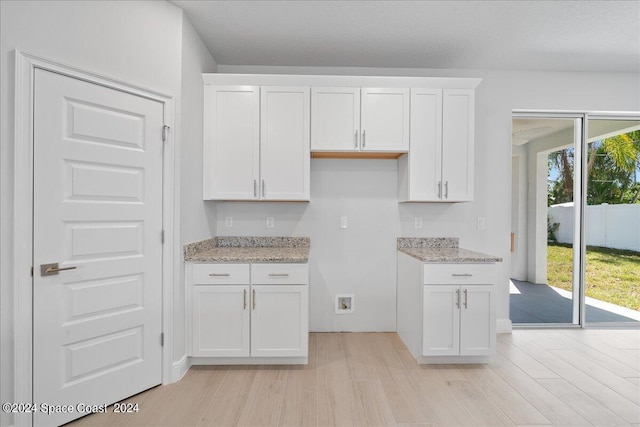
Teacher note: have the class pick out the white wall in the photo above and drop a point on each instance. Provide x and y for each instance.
(140, 42)
(496, 97)
(197, 218)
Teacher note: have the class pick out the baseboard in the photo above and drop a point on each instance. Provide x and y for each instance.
(504, 326)
(179, 368)
(302, 360)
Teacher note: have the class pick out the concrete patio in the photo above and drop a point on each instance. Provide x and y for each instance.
(535, 303)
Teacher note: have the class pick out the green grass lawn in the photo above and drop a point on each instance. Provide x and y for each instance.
(613, 275)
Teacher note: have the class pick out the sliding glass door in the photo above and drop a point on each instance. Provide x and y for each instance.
(546, 192)
(575, 219)
(612, 222)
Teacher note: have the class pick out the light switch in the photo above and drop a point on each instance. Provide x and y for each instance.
(270, 222)
(343, 222)
(481, 223)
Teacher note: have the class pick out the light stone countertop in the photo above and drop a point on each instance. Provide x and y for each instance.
(236, 249)
(441, 250)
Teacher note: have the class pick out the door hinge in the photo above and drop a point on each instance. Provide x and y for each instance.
(162, 236)
(162, 339)
(165, 131)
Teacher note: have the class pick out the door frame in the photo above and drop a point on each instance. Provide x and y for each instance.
(25, 66)
(580, 196)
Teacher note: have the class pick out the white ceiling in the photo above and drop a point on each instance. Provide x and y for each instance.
(511, 35)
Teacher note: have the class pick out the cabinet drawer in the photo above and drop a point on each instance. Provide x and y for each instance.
(279, 274)
(459, 274)
(220, 274)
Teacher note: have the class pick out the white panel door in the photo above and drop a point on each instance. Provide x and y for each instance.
(335, 119)
(385, 119)
(220, 316)
(284, 143)
(231, 142)
(280, 320)
(457, 144)
(98, 213)
(425, 157)
(441, 321)
(477, 320)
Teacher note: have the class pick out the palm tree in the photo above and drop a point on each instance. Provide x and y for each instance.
(611, 170)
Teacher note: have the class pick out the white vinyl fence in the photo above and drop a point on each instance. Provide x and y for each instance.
(611, 226)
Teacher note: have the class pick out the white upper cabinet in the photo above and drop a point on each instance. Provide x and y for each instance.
(385, 119)
(335, 118)
(439, 166)
(232, 142)
(257, 143)
(458, 107)
(354, 119)
(284, 143)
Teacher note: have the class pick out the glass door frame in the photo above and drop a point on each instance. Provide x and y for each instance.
(581, 132)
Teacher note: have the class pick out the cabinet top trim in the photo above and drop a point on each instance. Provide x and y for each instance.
(339, 81)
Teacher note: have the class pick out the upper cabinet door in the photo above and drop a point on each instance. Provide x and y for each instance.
(385, 119)
(285, 143)
(425, 158)
(457, 144)
(335, 118)
(231, 142)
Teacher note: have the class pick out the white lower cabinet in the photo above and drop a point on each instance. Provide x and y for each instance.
(279, 321)
(249, 322)
(220, 321)
(458, 320)
(446, 312)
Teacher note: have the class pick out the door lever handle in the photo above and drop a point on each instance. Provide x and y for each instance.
(52, 269)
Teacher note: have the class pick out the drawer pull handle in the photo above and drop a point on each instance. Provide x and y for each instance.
(219, 274)
(244, 299)
(254, 299)
(278, 274)
(462, 275)
(457, 298)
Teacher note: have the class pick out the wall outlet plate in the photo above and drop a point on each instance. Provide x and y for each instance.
(417, 223)
(344, 223)
(228, 222)
(270, 222)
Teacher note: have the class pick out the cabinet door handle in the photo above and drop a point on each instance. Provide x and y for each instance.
(439, 189)
(457, 298)
(244, 299)
(462, 275)
(278, 274)
(264, 189)
(253, 300)
(364, 141)
(219, 274)
(446, 189)
(465, 299)
(255, 189)
(356, 139)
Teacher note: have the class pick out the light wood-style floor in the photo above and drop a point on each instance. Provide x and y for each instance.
(538, 377)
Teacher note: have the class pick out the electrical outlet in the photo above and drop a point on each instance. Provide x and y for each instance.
(228, 222)
(417, 222)
(481, 223)
(270, 222)
(343, 222)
